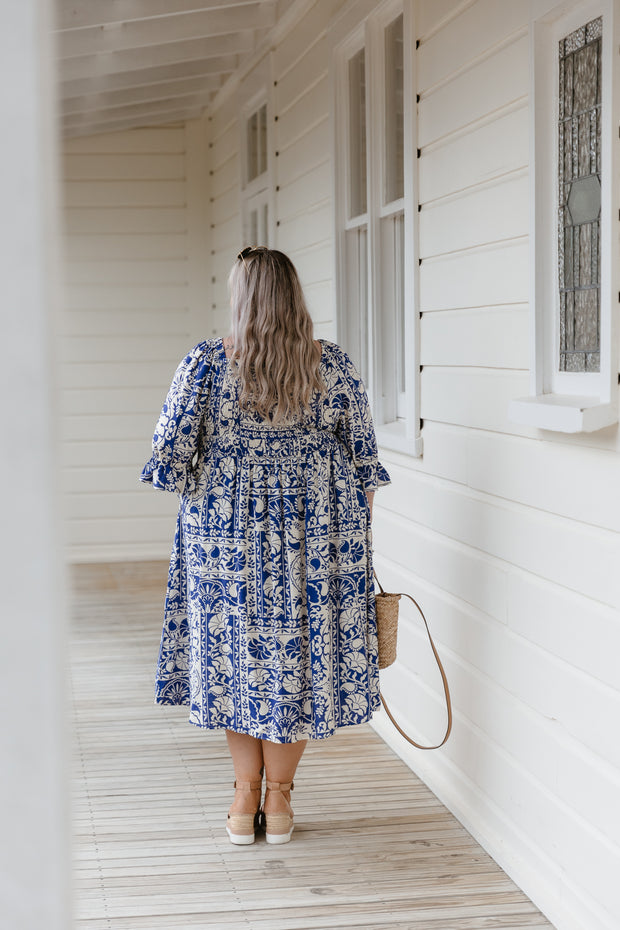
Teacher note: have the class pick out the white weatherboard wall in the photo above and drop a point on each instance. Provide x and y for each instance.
(295, 77)
(508, 536)
(136, 248)
(303, 170)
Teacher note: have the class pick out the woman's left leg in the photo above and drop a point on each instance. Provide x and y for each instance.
(281, 761)
(247, 757)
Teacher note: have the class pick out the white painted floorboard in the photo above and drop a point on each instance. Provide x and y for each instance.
(372, 847)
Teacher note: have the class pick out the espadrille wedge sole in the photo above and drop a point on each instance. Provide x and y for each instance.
(279, 827)
(241, 828)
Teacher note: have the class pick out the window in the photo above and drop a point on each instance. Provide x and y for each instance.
(256, 187)
(256, 149)
(375, 219)
(391, 268)
(579, 197)
(357, 134)
(574, 163)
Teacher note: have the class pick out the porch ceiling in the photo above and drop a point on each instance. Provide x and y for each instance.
(126, 63)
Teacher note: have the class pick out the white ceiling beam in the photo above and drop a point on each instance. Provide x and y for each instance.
(172, 53)
(149, 94)
(147, 76)
(81, 14)
(141, 33)
(286, 18)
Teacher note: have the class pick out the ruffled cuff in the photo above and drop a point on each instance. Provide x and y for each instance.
(168, 477)
(373, 476)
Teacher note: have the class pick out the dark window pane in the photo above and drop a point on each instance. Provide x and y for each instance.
(357, 134)
(394, 111)
(257, 143)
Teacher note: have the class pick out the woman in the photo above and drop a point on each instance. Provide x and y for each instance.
(269, 628)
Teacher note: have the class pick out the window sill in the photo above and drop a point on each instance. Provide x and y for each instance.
(565, 413)
(394, 436)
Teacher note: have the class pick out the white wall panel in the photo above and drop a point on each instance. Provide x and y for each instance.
(305, 152)
(432, 14)
(129, 319)
(507, 535)
(140, 373)
(462, 41)
(132, 193)
(87, 401)
(141, 246)
(492, 83)
(126, 322)
(489, 275)
(148, 141)
(495, 337)
(126, 220)
(299, 192)
(300, 176)
(470, 156)
(151, 166)
(295, 121)
(110, 297)
(137, 272)
(472, 397)
(470, 218)
(115, 453)
(226, 178)
(314, 261)
(574, 555)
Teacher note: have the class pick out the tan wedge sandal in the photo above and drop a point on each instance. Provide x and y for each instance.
(279, 827)
(241, 828)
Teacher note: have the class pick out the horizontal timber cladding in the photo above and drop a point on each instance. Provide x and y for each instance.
(302, 169)
(509, 536)
(468, 219)
(299, 166)
(529, 539)
(494, 148)
(491, 337)
(127, 321)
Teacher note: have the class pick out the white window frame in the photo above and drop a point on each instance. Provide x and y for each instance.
(257, 193)
(565, 401)
(362, 24)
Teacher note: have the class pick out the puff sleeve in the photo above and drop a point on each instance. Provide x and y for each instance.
(354, 425)
(177, 436)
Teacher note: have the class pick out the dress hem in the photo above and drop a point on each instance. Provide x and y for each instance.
(300, 735)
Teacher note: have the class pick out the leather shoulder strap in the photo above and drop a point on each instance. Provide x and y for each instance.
(445, 688)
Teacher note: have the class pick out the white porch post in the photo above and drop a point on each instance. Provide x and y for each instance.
(34, 865)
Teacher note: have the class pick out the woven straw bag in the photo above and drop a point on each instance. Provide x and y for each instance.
(386, 605)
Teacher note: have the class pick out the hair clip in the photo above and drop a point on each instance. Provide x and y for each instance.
(243, 254)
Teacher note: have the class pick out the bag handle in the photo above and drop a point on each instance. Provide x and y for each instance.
(444, 679)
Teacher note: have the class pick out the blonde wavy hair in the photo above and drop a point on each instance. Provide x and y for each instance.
(274, 355)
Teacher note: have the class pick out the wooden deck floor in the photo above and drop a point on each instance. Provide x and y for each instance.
(372, 847)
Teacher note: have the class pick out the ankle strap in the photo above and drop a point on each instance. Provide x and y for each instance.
(249, 785)
(280, 785)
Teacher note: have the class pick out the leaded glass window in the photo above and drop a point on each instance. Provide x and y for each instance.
(579, 175)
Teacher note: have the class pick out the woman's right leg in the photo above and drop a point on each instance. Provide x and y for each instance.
(247, 757)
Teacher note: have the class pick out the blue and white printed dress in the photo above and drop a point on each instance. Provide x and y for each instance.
(269, 624)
